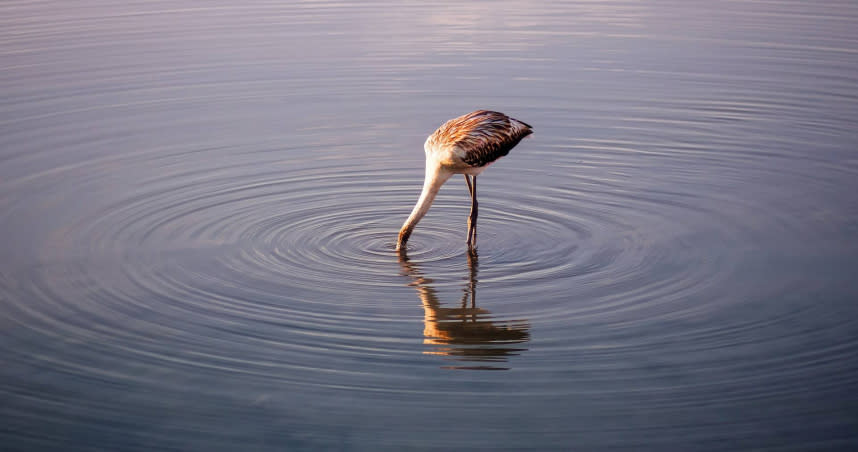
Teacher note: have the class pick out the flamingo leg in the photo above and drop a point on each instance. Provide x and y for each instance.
(471, 192)
(472, 218)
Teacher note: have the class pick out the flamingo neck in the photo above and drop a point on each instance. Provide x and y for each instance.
(435, 178)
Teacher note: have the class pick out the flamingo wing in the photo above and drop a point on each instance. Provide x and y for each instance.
(480, 137)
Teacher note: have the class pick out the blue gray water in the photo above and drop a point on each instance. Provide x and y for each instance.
(199, 201)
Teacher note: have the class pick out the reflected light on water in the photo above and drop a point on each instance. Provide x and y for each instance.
(198, 204)
(465, 333)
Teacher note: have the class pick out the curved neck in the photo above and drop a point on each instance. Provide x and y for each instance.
(435, 178)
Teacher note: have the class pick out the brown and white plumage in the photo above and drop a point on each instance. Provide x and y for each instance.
(464, 145)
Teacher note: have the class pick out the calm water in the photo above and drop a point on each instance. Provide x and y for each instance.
(198, 204)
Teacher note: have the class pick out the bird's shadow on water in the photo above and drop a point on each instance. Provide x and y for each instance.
(464, 334)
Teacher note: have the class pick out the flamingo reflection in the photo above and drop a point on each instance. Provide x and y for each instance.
(465, 333)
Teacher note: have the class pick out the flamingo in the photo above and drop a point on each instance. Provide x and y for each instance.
(465, 145)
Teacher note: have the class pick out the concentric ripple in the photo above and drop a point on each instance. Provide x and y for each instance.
(199, 205)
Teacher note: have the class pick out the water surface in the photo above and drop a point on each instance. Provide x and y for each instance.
(198, 204)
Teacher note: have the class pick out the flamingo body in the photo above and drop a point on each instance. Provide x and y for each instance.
(464, 145)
